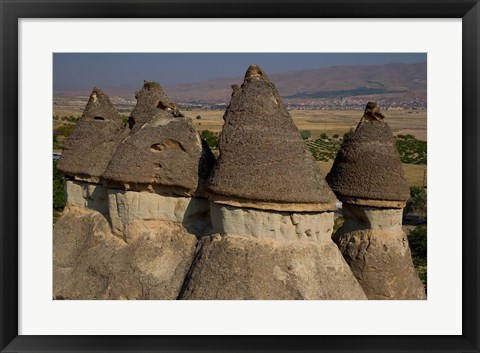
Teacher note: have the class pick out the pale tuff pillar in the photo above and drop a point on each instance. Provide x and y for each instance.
(376, 248)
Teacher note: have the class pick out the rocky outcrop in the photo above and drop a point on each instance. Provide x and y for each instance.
(367, 176)
(262, 156)
(265, 177)
(129, 230)
(94, 140)
(271, 210)
(238, 267)
(125, 207)
(367, 169)
(272, 224)
(151, 99)
(163, 152)
(89, 262)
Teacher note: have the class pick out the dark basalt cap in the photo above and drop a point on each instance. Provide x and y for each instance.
(94, 140)
(368, 166)
(151, 99)
(262, 156)
(163, 151)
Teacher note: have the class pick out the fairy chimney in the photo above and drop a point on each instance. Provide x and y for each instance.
(367, 176)
(271, 210)
(94, 140)
(88, 151)
(151, 99)
(159, 167)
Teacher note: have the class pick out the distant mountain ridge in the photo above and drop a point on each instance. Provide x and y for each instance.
(395, 81)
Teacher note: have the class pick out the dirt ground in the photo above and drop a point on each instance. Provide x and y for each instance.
(331, 122)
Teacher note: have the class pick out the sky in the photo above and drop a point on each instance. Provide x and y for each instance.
(79, 70)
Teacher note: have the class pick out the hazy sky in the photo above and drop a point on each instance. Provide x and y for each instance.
(79, 70)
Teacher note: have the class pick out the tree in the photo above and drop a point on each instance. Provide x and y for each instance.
(306, 134)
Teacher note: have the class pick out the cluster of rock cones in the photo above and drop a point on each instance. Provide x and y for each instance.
(152, 215)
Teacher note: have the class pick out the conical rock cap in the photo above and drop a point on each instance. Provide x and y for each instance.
(164, 151)
(151, 99)
(367, 169)
(262, 156)
(94, 140)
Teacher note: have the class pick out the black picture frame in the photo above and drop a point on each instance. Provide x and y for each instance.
(12, 11)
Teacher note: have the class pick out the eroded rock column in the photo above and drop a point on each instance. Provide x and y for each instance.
(271, 210)
(367, 176)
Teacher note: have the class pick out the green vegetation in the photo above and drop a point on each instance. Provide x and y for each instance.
(56, 143)
(360, 91)
(417, 239)
(58, 193)
(210, 137)
(323, 149)
(417, 204)
(70, 118)
(306, 134)
(411, 150)
(337, 224)
(65, 130)
(125, 120)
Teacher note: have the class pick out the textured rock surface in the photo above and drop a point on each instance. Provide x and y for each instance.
(165, 151)
(279, 225)
(374, 245)
(368, 167)
(87, 195)
(91, 263)
(126, 206)
(358, 218)
(382, 263)
(94, 140)
(151, 100)
(240, 267)
(262, 156)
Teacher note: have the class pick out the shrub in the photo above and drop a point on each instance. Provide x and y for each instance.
(324, 136)
(58, 193)
(411, 150)
(306, 134)
(417, 203)
(337, 224)
(199, 117)
(210, 137)
(125, 120)
(65, 130)
(336, 136)
(417, 239)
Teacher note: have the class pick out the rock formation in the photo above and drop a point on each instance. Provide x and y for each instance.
(367, 176)
(89, 149)
(159, 167)
(133, 233)
(89, 262)
(271, 209)
(94, 140)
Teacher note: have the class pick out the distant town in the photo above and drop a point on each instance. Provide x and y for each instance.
(125, 105)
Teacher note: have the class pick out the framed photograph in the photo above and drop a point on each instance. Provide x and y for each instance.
(265, 160)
